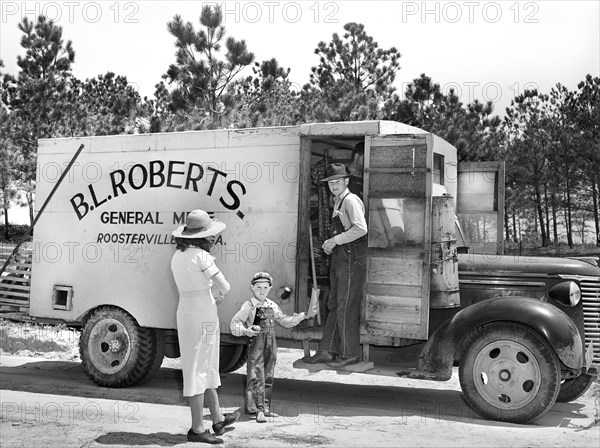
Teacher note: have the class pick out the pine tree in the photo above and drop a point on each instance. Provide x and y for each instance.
(200, 77)
(265, 99)
(353, 79)
(36, 98)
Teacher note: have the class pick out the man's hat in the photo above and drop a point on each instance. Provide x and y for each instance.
(336, 171)
(199, 225)
(262, 277)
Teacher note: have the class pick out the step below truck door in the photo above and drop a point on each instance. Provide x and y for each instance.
(398, 184)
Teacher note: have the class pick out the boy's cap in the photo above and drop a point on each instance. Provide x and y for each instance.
(262, 276)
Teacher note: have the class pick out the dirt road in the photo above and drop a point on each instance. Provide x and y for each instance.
(52, 403)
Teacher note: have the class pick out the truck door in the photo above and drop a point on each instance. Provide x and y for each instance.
(398, 183)
(480, 206)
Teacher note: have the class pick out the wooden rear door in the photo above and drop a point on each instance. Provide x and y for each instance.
(398, 182)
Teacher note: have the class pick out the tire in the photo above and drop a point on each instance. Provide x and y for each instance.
(158, 355)
(574, 388)
(232, 357)
(116, 351)
(508, 373)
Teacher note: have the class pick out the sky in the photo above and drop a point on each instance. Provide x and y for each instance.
(486, 50)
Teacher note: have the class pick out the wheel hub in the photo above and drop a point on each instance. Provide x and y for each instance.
(115, 346)
(109, 346)
(506, 374)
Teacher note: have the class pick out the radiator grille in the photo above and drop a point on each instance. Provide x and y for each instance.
(590, 296)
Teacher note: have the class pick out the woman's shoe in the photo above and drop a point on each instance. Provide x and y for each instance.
(204, 437)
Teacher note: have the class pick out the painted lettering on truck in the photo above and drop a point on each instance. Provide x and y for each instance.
(136, 217)
(172, 174)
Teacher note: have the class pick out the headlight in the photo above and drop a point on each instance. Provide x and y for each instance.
(567, 293)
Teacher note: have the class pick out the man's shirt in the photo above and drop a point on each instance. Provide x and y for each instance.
(352, 215)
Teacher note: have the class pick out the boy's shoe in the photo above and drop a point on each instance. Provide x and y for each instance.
(260, 417)
(228, 419)
(204, 437)
(269, 413)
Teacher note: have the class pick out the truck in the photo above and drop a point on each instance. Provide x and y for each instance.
(439, 293)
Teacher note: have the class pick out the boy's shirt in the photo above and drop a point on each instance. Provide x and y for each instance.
(244, 318)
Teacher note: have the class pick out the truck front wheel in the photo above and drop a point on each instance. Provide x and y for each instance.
(509, 373)
(116, 351)
(574, 388)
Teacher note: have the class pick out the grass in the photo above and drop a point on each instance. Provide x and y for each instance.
(37, 340)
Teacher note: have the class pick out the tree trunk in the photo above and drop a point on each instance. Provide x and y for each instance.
(5, 208)
(569, 217)
(29, 196)
(547, 212)
(514, 225)
(506, 225)
(596, 217)
(540, 214)
(554, 219)
(520, 236)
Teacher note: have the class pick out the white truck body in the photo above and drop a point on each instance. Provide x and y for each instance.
(107, 231)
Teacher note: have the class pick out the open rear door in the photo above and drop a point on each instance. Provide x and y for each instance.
(480, 206)
(398, 170)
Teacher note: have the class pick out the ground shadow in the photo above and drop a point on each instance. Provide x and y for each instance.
(121, 438)
(291, 397)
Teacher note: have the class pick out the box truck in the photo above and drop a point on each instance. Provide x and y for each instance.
(523, 331)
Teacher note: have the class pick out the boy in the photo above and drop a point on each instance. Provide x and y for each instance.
(256, 319)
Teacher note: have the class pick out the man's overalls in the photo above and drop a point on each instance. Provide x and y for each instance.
(262, 355)
(341, 334)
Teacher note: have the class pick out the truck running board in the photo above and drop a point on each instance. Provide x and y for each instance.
(358, 368)
(421, 375)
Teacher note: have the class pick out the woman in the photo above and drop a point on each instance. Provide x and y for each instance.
(195, 274)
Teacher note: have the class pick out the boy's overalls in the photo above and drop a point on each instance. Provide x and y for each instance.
(262, 355)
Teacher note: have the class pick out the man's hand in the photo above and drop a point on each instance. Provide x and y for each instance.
(328, 246)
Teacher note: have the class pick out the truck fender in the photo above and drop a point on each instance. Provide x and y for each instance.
(437, 356)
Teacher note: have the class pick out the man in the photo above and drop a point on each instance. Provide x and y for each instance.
(347, 247)
(356, 169)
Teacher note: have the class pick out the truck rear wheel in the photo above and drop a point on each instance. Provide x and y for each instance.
(509, 373)
(574, 388)
(232, 357)
(116, 351)
(158, 355)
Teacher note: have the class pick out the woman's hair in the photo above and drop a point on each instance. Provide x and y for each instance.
(185, 243)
